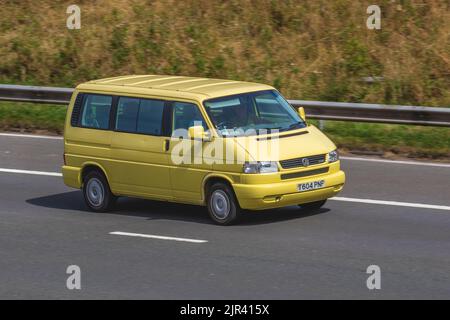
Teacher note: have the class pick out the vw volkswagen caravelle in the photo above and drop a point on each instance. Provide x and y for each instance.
(227, 145)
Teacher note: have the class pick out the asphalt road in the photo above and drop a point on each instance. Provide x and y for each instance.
(278, 254)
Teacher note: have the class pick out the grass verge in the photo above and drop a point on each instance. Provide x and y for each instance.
(390, 140)
(28, 117)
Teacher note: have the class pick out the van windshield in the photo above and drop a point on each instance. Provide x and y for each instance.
(252, 113)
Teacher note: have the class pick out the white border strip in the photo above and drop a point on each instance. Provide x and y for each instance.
(151, 236)
(415, 163)
(17, 135)
(38, 173)
(393, 203)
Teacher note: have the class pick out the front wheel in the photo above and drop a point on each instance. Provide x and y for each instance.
(222, 204)
(313, 205)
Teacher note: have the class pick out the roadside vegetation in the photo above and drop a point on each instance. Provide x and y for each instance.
(28, 117)
(311, 49)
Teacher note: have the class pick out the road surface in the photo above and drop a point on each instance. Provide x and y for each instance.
(393, 215)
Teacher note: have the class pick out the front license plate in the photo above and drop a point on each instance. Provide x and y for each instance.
(311, 185)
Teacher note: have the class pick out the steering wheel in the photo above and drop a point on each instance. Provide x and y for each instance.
(221, 124)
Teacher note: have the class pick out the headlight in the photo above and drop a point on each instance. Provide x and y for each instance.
(260, 167)
(333, 156)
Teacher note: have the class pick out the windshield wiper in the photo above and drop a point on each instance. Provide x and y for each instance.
(281, 129)
(293, 126)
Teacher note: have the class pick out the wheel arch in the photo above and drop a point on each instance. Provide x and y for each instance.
(212, 178)
(92, 166)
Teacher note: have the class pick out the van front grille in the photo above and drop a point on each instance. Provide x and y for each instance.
(302, 174)
(303, 162)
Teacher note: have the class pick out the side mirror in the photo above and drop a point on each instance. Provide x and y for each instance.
(198, 133)
(301, 113)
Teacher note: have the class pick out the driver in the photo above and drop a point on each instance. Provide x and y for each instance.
(242, 117)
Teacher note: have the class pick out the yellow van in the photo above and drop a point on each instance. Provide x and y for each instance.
(228, 145)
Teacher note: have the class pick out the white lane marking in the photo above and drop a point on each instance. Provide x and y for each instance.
(415, 163)
(151, 236)
(38, 173)
(346, 199)
(393, 203)
(17, 135)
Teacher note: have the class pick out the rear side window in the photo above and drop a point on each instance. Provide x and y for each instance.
(127, 113)
(75, 119)
(96, 110)
(150, 117)
(140, 116)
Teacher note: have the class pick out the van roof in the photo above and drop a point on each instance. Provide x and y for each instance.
(194, 87)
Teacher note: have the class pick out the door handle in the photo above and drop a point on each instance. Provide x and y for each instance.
(166, 145)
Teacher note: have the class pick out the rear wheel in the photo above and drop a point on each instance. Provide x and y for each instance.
(313, 205)
(96, 191)
(222, 204)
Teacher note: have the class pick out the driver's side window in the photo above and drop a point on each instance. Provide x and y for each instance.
(96, 110)
(186, 115)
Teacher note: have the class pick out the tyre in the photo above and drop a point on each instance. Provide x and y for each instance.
(313, 205)
(223, 206)
(96, 192)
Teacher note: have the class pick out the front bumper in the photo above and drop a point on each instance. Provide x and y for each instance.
(284, 193)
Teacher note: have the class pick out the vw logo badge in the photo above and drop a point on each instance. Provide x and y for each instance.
(305, 162)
